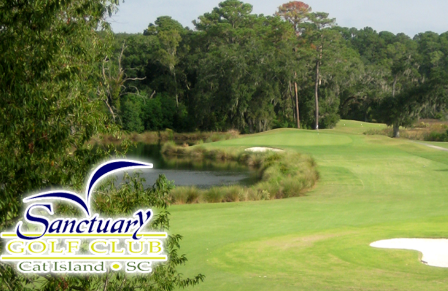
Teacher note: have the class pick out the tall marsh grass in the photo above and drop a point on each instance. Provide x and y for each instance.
(281, 174)
(168, 135)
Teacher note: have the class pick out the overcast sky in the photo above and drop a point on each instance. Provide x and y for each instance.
(408, 16)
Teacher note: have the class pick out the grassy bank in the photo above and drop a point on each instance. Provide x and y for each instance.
(168, 135)
(280, 174)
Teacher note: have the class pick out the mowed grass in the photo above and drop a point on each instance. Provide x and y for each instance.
(371, 188)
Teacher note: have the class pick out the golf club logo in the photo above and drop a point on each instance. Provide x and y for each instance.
(90, 244)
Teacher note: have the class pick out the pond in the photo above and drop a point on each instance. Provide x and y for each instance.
(189, 172)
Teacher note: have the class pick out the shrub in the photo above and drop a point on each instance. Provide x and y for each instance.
(436, 136)
(232, 194)
(386, 131)
(213, 195)
(184, 195)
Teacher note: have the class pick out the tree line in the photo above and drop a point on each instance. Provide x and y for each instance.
(56, 87)
(297, 68)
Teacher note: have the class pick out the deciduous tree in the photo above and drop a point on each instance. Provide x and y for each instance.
(51, 104)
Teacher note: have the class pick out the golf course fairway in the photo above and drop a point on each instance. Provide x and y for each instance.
(371, 188)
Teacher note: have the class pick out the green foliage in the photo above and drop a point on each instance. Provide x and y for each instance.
(140, 114)
(403, 109)
(131, 116)
(437, 136)
(239, 70)
(403, 68)
(242, 77)
(52, 100)
(160, 113)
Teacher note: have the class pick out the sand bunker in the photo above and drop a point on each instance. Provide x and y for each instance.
(435, 251)
(262, 149)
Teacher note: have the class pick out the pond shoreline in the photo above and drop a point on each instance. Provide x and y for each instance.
(190, 172)
(281, 174)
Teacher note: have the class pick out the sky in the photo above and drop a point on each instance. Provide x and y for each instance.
(407, 16)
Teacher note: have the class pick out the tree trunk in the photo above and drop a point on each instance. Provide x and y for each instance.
(396, 130)
(297, 106)
(393, 86)
(292, 101)
(316, 94)
(175, 88)
(396, 125)
(297, 103)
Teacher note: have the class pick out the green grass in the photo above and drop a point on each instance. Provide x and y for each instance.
(371, 188)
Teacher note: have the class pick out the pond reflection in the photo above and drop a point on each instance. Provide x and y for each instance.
(189, 172)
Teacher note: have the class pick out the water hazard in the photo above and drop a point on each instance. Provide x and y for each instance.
(190, 172)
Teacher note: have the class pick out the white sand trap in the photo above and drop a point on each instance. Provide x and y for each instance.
(262, 149)
(435, 251)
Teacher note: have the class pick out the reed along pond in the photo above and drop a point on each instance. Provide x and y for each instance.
(190, 172)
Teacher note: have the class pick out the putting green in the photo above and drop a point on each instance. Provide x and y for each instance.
(290, 138)
(371, 188)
